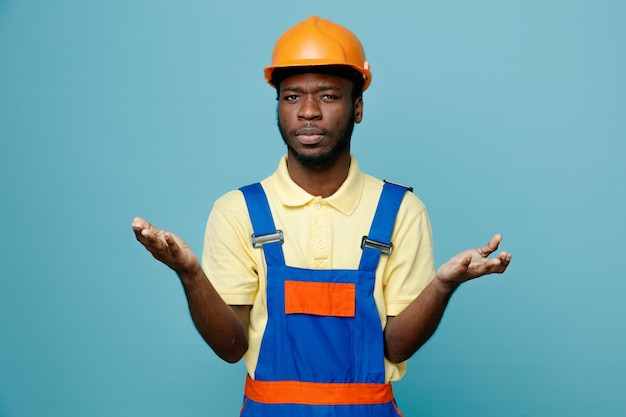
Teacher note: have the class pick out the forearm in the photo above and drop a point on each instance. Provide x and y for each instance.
(408, 331)
(216, 321)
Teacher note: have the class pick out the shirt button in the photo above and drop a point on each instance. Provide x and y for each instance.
(319, 225)
(320, 245)
(318, 205)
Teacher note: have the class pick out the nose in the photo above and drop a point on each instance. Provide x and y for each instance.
(309, 109)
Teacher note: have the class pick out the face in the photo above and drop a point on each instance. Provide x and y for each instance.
(316, 116)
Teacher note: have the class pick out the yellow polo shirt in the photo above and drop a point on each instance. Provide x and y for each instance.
(320, 233)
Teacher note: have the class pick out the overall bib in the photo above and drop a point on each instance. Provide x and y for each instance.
(322, 352)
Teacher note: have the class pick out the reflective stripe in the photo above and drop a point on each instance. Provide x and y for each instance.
(320, 298)
(317, 393)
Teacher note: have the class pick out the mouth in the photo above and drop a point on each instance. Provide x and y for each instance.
(309, 136)
(309, 139)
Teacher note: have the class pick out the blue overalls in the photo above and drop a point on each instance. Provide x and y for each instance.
(322, 352)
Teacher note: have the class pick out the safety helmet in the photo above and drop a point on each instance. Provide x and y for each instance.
(319, 42)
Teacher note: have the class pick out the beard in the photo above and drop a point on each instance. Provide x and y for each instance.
(327, 158)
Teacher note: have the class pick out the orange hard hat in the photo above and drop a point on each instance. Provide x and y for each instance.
(319, 42)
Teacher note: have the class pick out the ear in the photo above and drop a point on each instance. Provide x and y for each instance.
(358, 110)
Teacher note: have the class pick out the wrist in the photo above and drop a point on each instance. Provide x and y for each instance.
(445, 286)
(189, 273)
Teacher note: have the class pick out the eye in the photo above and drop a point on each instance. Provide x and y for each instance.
(330, 97)
(290, 97)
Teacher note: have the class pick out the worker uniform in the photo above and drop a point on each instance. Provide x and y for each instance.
(317, 349)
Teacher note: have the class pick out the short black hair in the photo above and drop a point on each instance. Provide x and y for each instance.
(343, 71)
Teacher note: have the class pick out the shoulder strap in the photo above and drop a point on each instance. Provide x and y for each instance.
(378, 241)
(265, 233)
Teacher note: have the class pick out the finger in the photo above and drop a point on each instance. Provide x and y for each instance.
(149, 231)
(152, 238)
(148, 240)
(491, 246)
(144, 231)
(498, 265)
(172, 245)
(138, 236)
(139, 223)
(504, 256)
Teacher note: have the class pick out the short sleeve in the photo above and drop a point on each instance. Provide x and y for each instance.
(227, 257)
(411, 266)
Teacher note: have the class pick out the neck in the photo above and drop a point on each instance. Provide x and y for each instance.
(321, 181)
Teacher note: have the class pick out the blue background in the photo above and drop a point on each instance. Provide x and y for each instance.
(506, 116)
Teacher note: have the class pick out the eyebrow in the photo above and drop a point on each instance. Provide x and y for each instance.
(322, 88)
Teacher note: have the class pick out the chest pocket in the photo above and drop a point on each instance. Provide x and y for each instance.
(320, 298)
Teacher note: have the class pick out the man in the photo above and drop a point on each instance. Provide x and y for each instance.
(321, 276)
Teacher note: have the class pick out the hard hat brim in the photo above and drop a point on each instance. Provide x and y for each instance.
(365, 72)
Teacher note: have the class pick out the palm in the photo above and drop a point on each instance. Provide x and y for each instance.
(474, 263)
(165, 246)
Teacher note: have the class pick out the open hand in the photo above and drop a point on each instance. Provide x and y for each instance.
(474, 263)
(166, 247)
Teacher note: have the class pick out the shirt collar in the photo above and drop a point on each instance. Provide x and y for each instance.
(345, 199)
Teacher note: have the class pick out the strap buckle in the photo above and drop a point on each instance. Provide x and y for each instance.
(260, 240)
(384, 248)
